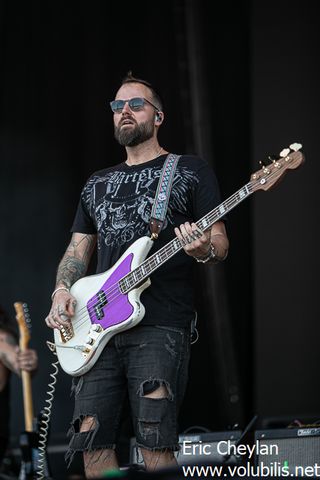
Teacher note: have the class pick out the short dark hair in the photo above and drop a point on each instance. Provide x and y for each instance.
(129, 78)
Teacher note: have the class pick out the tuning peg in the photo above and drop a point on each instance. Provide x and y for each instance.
(296, 146)
(285, 152)
(263, 163)
(273, 158)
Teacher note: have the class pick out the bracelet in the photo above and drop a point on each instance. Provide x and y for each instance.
(209, 256)
(57, 289)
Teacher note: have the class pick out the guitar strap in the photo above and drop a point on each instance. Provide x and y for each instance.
(161, 200)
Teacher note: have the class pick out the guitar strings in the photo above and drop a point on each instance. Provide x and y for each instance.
(162, 253)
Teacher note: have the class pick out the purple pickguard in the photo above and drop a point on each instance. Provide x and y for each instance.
(109, 306)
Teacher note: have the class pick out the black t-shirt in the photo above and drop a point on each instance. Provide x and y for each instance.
(116, 204)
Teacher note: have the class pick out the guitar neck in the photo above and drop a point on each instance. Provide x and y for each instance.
(27, 400)
(141, 273)
(217, 213)
(27, 390)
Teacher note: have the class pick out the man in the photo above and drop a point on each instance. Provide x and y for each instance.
(150, 361)
(11, 360)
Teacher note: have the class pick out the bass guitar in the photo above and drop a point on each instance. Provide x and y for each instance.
(29, 439)
(109, 302)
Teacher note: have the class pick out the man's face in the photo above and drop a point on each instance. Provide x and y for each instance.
(134, 127)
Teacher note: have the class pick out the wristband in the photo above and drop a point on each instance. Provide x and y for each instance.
(57, 289)
(209, 256)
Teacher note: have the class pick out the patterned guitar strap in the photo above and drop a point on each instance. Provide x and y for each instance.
(161, 200)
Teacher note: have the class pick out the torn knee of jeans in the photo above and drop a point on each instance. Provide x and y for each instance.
(84, 425)
(152, 385)
(82, 432)
(87, 423)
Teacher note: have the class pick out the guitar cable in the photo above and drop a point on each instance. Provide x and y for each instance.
(45, 420)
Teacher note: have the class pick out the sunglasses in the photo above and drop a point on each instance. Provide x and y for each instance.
(135, 104)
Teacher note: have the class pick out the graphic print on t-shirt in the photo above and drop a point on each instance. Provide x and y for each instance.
(115, 206)
(121, 202)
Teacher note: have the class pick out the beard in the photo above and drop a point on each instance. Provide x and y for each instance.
(130, 137)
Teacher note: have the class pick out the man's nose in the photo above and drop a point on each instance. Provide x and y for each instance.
(126, 108)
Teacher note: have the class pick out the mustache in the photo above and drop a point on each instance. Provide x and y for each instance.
(128, 117)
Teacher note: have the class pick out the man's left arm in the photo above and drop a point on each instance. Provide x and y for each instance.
(219, 241)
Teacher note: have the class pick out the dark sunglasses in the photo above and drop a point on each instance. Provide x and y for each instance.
(135, 104)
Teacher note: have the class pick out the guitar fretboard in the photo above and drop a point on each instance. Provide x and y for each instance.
(141, 273)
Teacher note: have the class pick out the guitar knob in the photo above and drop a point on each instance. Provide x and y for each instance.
(89, 340)
(96, 327)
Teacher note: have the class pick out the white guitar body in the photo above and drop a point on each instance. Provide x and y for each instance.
(102, 311)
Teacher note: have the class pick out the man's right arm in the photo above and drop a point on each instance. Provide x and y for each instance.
(73, 266)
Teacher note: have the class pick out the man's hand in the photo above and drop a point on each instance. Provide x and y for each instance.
(27, 360)
(198, 244)
(195, 242)
(62, 310)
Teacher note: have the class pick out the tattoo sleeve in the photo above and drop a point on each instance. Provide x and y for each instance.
(75, 261)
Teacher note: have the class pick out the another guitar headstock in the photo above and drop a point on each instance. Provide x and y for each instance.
(272, 172)
(24, 323)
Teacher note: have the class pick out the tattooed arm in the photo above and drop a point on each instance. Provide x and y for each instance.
(73, 266)
(75, 261)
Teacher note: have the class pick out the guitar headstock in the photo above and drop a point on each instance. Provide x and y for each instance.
(272, 172)
(24, 323)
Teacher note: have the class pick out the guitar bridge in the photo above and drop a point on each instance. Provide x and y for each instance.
(66, 333)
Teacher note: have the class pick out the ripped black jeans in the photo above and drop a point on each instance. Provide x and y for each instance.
(134, 363)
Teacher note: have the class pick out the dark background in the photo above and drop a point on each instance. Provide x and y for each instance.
(240, 82)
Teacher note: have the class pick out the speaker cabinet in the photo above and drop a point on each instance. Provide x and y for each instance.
(292, 452)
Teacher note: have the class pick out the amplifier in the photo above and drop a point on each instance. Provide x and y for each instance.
(288, 452)
(199, 448)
